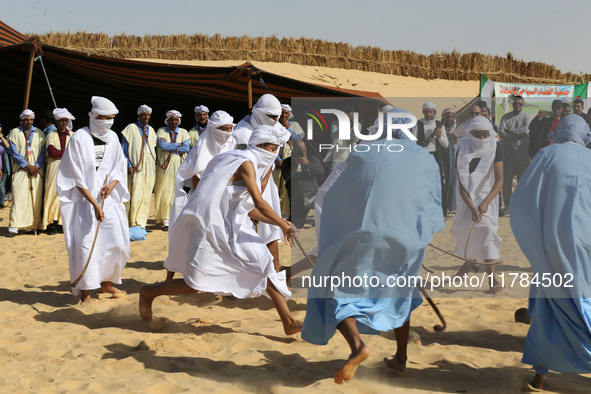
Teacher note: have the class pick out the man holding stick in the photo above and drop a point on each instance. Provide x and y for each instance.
(27, 148)
(94, 168)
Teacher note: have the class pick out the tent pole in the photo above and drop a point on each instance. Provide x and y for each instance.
(29, 78)
(249, 85)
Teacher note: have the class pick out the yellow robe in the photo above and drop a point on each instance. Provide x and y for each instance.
(21, 211)
(51, 202)
(194, 135)
(141, 183)
(165, 177)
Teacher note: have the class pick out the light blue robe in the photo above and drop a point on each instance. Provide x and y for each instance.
(551, 221)
(377, 219)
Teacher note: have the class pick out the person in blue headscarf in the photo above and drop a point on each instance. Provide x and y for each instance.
(550, 216)
(390, 191)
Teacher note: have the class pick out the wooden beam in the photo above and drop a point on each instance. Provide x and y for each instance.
(29, 79)
(249, 85)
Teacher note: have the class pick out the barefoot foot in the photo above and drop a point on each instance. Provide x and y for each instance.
(396, 363)
(85, 297)
(145, 306)
(348, 370)
(292, 327)
(539, 382)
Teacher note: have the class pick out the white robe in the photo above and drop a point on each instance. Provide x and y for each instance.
(141, 184)
(21, 211)
(213, 243)
(111, 250)
(194, 165)
(268, 232)
(51, 202)
(484, 241)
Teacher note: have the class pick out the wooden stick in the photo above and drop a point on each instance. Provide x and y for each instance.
(73, 284)
(437, 327)
(33, 204)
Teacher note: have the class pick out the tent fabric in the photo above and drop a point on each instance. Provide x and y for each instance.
(9, 36)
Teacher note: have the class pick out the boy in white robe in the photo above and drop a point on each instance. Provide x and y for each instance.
(93, 168)
(479, 162)
(173, 145)
(139, 147)
(213, 241)
(27, 149)
(216, 138)
(56, 143)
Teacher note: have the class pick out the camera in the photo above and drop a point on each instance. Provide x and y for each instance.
(297, 152)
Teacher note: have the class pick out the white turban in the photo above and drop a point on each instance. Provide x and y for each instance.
(267, 105)
(63, 113)
(286, 107)
(265, 134)
(102, 106)
(27, 113)
(220, 118)
(174, 113)
(144, 108)
(201, 108)
(430, 105)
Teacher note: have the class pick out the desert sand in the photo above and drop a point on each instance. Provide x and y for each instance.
(52, 343)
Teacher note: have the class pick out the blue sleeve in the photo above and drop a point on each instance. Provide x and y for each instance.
(185, 146)
(294, 136)
(41, 158)
(167, 146)
(125, 147)
(18, 158)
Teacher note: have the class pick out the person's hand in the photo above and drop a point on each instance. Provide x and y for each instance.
(482, 209)
(278, 164)
(33, 170)
(284, 122)
(130, 170)
(303, 160)
(475, 214)
(99, 214)
(290, 232)
(437, 132)
(106, 190)
(1, 174)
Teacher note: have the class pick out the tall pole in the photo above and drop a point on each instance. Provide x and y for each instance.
(249, 85)
(29, 78)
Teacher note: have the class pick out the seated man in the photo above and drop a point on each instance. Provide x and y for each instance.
(213, 242)
(550, 218)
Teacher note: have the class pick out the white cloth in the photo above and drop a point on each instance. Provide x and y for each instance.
(144, 108)
(286, 107)
(27, 113)
(267, 105)
(172, 113)
(428, 127)
(201, 108)
(63, 113)
(211, 143)
(103, 106)
(100, 128)
(484, 241)
(111, 250)
(213, 243)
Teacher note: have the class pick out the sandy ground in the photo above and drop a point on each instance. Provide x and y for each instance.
(51, 343)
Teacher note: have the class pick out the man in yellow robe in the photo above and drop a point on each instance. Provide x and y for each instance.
(139, 147)
(27, 150)
(55, 146)
(201, 116)
(173, 144)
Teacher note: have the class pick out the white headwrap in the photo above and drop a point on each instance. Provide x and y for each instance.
(470, 148)
(267, 105)
(201, 108)
(100, 128)
(144, 108)
(265, 134)
(430, 105)
(286, 107)
(212, 141)
(174, 113)
(27, 113)
(63, 113)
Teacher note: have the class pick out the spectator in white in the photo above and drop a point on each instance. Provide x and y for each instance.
(448, 126)
(139, 147)
(173, 143)
(514, 131)
(93, 167)
(201, 116)
(56, 145)
(460, 131)
(27, 148)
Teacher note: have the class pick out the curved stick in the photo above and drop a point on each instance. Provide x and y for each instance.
(73, 284)
(437, 327)
(33, 204)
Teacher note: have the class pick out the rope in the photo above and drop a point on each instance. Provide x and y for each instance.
(265, 86)
(40, 58)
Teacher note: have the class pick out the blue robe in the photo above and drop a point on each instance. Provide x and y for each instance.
(377, 219)
(551, 221)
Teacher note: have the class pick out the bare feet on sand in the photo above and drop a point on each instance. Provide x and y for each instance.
(348, 370)
(293, 327)
(85, 297)
(145, 305)
(539, 383)
(396, 363)
(107, 287)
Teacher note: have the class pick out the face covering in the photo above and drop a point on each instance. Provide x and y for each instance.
(478, 143)
(100, 128)
(265, 158)
(220, 137)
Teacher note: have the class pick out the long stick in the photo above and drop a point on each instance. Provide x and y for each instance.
(437, 327)
(33, 204)
(303, 251)
(73, 284)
